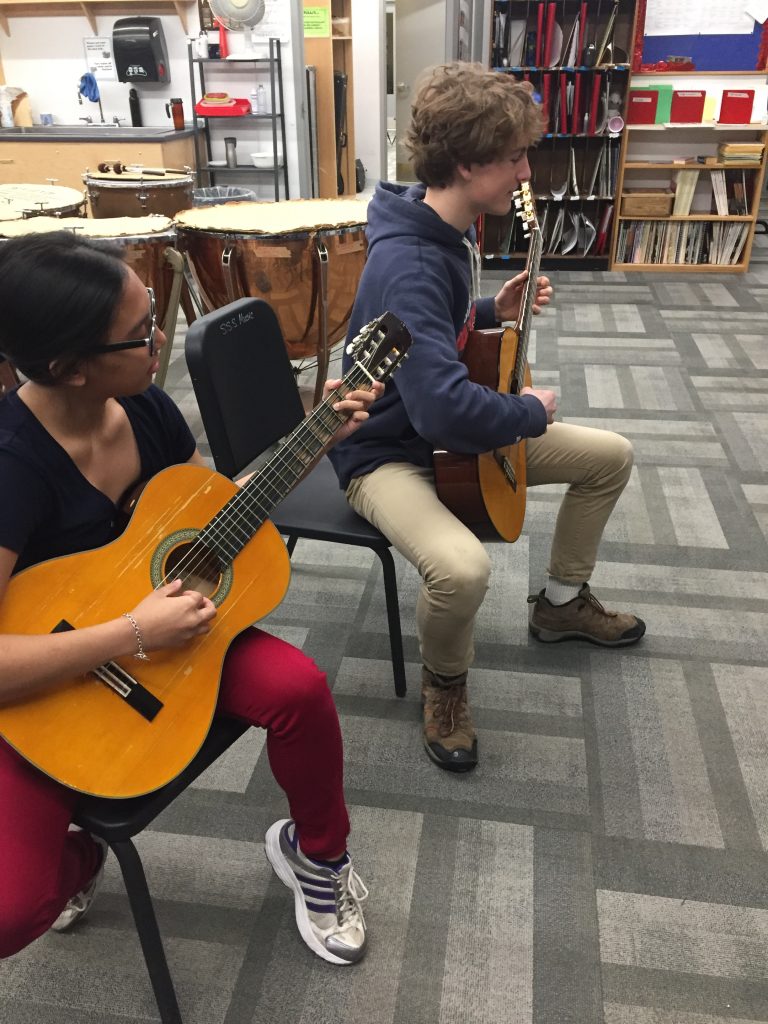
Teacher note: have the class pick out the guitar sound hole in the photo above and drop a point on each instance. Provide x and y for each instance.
(196, 566)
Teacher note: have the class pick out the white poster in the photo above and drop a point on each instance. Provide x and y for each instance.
(694, 17)
(100, 59)
(276, 23)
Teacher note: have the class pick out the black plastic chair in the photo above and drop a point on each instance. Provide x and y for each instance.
(248, 399)
(118, 821)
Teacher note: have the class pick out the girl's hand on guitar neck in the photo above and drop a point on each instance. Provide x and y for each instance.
(171, 617)
(507, 302)
(354, 405)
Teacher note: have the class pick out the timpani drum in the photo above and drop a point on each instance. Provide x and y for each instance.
(148, 247)
(17, 202)
(134, 194)
(303, 256)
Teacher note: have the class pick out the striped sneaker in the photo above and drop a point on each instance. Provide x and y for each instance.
(326, 899)
(77, 907)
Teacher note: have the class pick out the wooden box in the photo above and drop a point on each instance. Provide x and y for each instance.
(648, 202)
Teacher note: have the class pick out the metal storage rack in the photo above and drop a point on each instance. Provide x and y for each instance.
(208, 172)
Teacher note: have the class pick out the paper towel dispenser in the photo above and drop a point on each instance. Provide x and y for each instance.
(139, 48)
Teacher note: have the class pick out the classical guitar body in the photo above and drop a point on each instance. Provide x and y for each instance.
(487, 492)
(83, 733)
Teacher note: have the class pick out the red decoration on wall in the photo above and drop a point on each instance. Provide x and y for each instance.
(637, 49)
(762, 53)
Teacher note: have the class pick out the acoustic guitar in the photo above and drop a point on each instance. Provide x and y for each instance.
(131, 726)
(487, 491)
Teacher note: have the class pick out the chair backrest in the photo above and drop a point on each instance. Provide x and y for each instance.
(243, 381)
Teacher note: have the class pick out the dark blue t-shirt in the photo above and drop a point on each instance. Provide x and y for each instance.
(47, 507)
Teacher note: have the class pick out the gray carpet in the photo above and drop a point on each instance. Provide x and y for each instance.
(606, 863)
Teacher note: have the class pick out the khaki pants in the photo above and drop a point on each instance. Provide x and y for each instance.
(400, 500)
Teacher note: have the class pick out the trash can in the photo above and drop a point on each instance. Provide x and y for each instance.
(216, 194)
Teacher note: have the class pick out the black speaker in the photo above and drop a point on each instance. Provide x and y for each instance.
(139, 48)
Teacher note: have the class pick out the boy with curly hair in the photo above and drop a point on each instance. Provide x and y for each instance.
(468, 137)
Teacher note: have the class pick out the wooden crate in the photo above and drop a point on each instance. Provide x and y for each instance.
(650, 202)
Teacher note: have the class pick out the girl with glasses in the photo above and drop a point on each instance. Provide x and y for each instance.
(76, 439)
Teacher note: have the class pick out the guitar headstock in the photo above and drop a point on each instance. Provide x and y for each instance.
(380, 347)
(525, 208)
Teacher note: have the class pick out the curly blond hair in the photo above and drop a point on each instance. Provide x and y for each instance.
(463, 113)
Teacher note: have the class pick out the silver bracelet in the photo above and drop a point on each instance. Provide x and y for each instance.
(140, 654)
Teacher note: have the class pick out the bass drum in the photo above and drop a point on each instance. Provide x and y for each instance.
(17, 202)
(148, 245)
(133, 194)
(304, 257)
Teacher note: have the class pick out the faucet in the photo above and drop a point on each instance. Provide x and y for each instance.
(88, 119)
(117, 120)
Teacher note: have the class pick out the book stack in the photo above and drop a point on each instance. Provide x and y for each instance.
(694, 242)
(685, 186)
(740, 152)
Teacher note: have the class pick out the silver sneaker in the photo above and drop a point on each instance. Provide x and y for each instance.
(327, 902)
(79, 905)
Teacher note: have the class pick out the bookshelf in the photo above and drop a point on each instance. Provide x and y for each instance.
(583, 82)
(698, 234)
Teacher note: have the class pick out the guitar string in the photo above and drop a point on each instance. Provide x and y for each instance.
(302, 441)
(250, 499)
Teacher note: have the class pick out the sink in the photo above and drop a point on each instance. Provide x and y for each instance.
(47, 131)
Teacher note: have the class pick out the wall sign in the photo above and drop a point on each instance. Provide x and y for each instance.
(99, 58)
(317, 22)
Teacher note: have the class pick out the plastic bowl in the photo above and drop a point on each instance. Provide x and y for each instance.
(265, 161)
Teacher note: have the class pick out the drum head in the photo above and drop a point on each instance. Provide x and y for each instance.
(129, 179)
(288, 217)
(106, 227)
(38, 199)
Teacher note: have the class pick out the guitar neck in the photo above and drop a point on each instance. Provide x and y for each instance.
(526, 306)
(239, 520)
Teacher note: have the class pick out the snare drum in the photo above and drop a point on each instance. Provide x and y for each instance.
(303, 256)
(133, 194)
(20, 201)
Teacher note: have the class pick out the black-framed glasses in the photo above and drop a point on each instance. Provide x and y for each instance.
(149, 341)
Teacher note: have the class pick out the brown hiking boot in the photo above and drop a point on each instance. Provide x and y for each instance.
(449, 735)
(582, 618)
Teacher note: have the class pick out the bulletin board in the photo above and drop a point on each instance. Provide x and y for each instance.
(713, 51)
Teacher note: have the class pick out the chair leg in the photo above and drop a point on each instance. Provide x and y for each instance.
(291, 543)
(149, 933)
(393, 618)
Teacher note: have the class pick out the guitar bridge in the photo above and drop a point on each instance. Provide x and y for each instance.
(507, 469)
(122, 683)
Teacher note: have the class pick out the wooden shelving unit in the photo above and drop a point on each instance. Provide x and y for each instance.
(90, 9)
(330, 55)
(646, 162)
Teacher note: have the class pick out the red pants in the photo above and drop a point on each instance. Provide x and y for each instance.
(265, 682)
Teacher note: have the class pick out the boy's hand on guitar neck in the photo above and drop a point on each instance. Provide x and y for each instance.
(508, 299)
(171, 617)
(547, 398)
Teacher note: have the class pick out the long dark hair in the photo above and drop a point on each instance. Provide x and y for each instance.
(58, 296)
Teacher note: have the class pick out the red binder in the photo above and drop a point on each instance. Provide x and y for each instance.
(594, 102)
(539, 33)
(577, 119)
(641, 106)
(545, 99)
(736, 106)
(551, 7)
(687, 106)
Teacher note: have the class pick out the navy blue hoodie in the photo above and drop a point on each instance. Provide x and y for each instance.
(426, 272)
